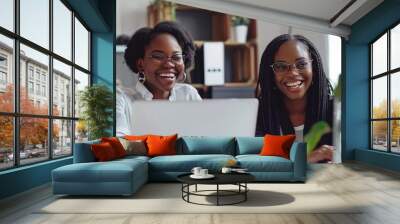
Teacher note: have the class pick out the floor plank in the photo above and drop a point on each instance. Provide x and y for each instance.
(376, 189)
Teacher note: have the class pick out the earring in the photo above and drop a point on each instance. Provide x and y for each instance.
(184, 77)
(141, 77)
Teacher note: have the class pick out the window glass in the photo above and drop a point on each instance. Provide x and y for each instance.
(379, 135)
(395, 47)
(6, 142)
(62, 29)
(395, 136)
(81, 131)
(39, 62)
(7, 14)
(6, 74)
(379, 56)
(81, 45)
(379, 98)
(62, 138)
(395, 95)
(81, 81)
(34, 21)
(33, 140)
(62, 91)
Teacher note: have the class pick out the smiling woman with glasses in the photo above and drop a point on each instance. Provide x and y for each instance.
(159, 56)
(294, 92)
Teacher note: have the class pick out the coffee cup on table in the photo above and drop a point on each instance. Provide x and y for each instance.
(196, 171)
(226, 170)
(203, 172)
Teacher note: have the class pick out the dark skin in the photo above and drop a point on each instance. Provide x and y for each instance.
(294, 85)
(161, 75)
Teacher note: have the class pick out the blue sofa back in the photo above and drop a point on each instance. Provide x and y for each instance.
(83, 153)
(249, 145)
(192, 146)
(206, 145)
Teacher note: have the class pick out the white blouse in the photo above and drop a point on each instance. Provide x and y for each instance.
(126, 97)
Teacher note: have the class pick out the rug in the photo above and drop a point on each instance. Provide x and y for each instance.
(166, 198)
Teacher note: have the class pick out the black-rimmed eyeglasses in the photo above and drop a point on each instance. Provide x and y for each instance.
(177, 58)
(283, 67)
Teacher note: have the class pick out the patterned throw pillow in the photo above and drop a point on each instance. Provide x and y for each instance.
(134, 147)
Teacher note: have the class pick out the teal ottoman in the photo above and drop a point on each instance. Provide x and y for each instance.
(118, 177)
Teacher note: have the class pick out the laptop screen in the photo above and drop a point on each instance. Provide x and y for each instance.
(216, 117)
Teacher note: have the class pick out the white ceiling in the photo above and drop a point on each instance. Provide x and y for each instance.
(314, 15)
(320, 9)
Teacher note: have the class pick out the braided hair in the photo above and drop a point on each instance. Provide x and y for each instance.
(273, 116)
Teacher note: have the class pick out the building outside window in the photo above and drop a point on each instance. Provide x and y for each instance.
(30, 87)
(3, 72)
(385, 95)
(59, 128)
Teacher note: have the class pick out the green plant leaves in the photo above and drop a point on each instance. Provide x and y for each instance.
(237, 21)
(96, 102)
(314, 135)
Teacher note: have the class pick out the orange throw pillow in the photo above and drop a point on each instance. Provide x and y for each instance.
(116, 145)
(161, 145)
(277, 145)
(103, 151)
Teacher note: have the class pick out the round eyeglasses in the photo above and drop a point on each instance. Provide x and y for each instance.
(283, 67)
(177, 58)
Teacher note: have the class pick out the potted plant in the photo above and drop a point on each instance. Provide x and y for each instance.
(240, 28)
(96, 102)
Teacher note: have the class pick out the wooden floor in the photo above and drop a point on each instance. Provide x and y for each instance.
(377, 188)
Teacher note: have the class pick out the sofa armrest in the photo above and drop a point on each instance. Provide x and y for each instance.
(298, 156)
(83, 152)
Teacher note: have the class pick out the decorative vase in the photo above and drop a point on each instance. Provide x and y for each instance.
(240, 33)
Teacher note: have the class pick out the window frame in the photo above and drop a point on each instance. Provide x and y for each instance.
(388, 74)
(16, 115)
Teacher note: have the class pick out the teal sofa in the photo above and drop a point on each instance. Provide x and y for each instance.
(125, 176)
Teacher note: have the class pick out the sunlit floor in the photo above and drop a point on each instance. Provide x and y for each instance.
(378, 189)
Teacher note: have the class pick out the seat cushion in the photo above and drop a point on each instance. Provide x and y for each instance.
(257, 163)
(185, 163)
(111, 171)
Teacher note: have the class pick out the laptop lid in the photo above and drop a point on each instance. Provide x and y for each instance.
(214, 117)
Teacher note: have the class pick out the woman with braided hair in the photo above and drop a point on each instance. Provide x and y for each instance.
(294, 92)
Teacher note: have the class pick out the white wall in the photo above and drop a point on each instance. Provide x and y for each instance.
(131, 15)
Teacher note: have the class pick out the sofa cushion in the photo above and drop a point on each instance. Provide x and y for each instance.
(207, 145)
(112, 171)
(277, 145)
(257, 163)
(103, 151)
(116, 145)
(134, 147)
(185, 163)
(249, 145)
(159, 145)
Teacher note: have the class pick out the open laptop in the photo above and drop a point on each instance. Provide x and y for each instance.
(214, 117)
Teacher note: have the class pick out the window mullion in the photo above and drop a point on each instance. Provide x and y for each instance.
(16, 84)
(73, 83)
(50, 81)
(388, 96)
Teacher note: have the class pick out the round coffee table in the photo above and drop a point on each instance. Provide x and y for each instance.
(238, 179)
